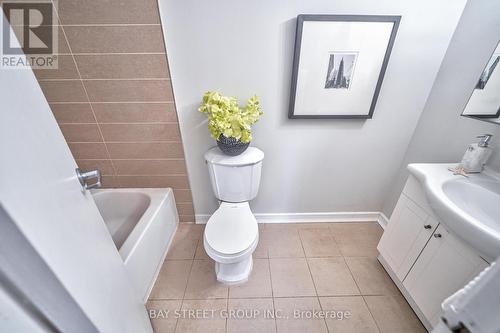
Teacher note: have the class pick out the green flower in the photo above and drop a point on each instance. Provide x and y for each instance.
(226, 117)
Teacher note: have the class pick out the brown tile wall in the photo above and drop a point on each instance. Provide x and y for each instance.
(112, 96)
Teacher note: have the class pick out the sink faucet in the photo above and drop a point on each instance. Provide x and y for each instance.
(484, 140)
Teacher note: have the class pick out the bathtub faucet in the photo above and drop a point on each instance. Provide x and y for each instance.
(83, 177)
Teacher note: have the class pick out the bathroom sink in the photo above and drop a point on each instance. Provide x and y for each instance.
(477, 201)
(468, 207)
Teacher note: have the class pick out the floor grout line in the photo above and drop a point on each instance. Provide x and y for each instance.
(272, 292)
(267, 297)
(184, 293)
(361, 294)
(227, 309)
(371, 314)
(273, 297)
(312, 277)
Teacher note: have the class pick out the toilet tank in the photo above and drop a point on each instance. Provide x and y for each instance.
(235, 178)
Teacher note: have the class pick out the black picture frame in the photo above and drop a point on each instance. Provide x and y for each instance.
(345, 18)
(485, 116)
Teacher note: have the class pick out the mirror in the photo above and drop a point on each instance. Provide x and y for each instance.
(484, 102)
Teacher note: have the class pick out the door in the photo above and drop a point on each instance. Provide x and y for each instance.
(405, 236)
(445, 266)
(41, 193)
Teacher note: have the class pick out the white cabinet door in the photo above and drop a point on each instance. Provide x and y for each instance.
(406, 234)
(445, 266)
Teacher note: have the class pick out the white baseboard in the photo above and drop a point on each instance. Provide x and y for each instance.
(382, 220)
(312, 217)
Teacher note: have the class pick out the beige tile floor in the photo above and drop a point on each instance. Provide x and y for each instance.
(302, 272)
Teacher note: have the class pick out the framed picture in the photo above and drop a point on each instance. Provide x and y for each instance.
(484, 101)
(339, 64)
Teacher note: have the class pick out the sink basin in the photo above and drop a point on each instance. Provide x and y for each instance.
(476, 200)
(468, 207)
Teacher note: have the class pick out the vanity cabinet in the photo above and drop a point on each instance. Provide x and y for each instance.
(445, 265)
(427, 263)
(408, 231)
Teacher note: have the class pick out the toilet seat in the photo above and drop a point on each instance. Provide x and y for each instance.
(229, 258)
(231, 232)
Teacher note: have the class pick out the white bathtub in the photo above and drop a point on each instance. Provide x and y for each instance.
(142, 223)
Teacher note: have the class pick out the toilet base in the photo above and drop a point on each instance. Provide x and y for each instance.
(234, 273)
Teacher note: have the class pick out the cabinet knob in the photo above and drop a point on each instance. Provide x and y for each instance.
(427, 226)
(438, 235)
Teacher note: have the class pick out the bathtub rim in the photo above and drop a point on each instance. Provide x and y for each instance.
(157, 197)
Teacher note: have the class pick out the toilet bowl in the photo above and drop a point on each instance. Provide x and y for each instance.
(231, 234)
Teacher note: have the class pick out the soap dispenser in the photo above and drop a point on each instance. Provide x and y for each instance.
(476, 155)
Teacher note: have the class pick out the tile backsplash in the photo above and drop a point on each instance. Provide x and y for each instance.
(112, 96)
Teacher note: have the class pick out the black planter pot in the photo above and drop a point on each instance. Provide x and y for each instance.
(231, 146)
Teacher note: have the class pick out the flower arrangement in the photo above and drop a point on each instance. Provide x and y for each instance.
(226, 118)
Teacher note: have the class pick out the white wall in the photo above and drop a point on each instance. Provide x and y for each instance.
(242, 48)
(442, 135)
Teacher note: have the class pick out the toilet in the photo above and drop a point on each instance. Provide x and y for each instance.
(231, 234)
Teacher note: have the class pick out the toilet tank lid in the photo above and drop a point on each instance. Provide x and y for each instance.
(250, 156)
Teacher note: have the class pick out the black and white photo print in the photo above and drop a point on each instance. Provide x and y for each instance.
(340, 70)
